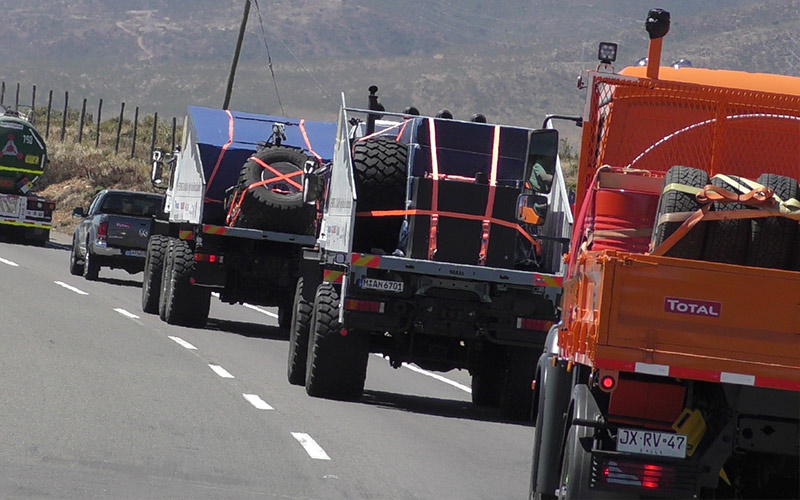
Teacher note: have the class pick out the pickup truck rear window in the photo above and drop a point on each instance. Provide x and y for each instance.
(131, 205)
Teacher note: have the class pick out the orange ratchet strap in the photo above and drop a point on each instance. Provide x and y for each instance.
(219, 158)
(235, 208)
(402, 126)
(308, 143)
(487, 221)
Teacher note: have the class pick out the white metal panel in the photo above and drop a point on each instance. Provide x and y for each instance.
(188, 184)
(337, 230)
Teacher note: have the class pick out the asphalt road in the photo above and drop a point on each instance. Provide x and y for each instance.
(100, 400)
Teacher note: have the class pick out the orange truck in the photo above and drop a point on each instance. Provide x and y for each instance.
(675, 371)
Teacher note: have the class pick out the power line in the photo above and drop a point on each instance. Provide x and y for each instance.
(269, 57)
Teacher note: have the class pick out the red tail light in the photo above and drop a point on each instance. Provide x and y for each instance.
(207, 257)
(539, 325)
(102, 230)
(643, 475)
(364, 305)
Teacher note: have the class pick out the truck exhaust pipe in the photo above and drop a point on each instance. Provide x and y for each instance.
(657, 26)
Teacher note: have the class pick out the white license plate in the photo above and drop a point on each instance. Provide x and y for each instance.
(9, 206)
(644, 442)
(136, 253)
(382, 285)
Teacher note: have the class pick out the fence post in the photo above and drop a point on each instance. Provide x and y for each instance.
(153, 137)
(80, 124)
(49, 108)
(135, 128)
(2, 93)
(99, 118)
(64, 116)
(119, 128)
(16, 101)
(33, 105)
(174, 120)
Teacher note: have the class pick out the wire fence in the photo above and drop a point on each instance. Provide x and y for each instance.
(81, 124)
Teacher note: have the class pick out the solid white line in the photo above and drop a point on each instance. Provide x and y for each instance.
(71, 288)
(314, 450)
(438, 377)
(126, 313)
(262, 311)
(8, 262)
(182, 342)
(222, 372)
(256, 401)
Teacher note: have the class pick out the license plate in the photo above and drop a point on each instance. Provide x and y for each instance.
(136, 253)
(9, 206)
(643, 442)
(382, 285)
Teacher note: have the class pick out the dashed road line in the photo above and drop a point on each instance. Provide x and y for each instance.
(222, 372)
(314, 450)
(256, 401)
(182, 342)
(126, 313)
(70, 288)
(262, 311)
(435, 376)
(8, 262)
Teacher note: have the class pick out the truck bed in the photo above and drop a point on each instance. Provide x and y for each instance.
(684, 319)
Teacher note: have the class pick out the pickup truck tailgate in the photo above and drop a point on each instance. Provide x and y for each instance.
(688, 318)
(128, 232)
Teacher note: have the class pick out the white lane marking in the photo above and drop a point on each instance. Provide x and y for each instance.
(222, 372)
(415, 368)
(251, 306)
(71, 288)
(256, 401)
(262, 311)
(8, 262)
(314, 450)
(126, 313)
(182, 342)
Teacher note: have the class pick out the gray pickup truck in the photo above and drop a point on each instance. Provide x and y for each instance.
(113, 232)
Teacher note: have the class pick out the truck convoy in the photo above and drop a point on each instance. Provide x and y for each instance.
(675, 372)
(23, 158)
(235, 217)
(440, 244)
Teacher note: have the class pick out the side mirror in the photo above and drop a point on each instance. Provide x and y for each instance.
(158, 167)
(532, 209)
(78, 212)
(311, 182)
(542, 155)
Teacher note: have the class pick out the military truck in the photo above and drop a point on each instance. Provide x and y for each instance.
(23, 158)
(675, 372)
(434, 249)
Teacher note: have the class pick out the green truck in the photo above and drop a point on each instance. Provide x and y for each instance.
(23, 158)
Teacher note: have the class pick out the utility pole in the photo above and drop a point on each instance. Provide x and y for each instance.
(236, 55)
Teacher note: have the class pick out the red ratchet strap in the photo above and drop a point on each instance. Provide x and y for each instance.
(434, 228)
(487, 224)
(402, 126)
(235, 208)
(308, 143)
(219, 159)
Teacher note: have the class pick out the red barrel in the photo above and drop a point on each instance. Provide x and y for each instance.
(623, 220)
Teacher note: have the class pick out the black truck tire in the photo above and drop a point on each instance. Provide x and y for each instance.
(153, 271)
(278, 206)
(487, 382)
(381, 174)
(91, 265)
(298, 337)
(516, 399)
(75, 264)
(336, 367)
(165, 283)
(673, 201)
(772, 239)
(726, 240)
(185, 304)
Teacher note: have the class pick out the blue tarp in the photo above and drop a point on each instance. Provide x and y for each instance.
(212, 130)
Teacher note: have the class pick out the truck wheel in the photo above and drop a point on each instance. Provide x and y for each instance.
(298, 337)
(381, 173)
(277, 206)
(772, 239)
(674, 201)
(75, 265)
(726, 240)
(516, 398)
(336, 367)
(185, 304)
(91, 265)
(153, 270)
(164, 291)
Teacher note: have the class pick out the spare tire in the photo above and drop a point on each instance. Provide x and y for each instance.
(278, 205)
(726, 240)
(772, 239)
(380, 167)
(675, 201)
